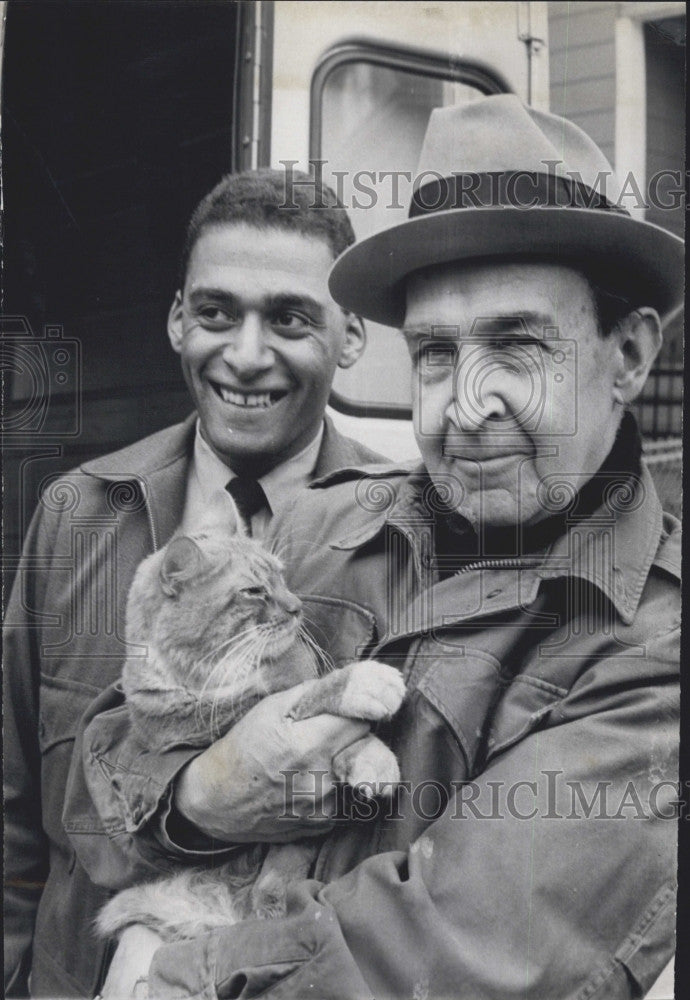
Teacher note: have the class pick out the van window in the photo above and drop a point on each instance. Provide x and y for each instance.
(370, 108)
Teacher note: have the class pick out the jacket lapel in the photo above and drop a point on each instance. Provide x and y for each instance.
(159, 466)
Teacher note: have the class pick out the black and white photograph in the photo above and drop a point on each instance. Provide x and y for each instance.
(342, 412)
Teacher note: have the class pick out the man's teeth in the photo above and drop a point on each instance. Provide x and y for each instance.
(257, 400)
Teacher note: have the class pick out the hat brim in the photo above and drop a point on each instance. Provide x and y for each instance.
(624, 255)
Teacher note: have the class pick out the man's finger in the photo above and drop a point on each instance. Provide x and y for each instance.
(329, 733)
(307, 813)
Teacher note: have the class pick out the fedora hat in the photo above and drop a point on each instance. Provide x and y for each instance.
(500, 180)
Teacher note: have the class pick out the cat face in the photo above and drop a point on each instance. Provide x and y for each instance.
(224, 614)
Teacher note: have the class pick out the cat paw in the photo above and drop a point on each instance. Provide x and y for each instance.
(373, 691)
(373, 770)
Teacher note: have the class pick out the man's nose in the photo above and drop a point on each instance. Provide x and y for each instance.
(482, 383)
(247, 350)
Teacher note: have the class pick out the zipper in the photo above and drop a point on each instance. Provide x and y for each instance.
(152, 526)
(507, 562)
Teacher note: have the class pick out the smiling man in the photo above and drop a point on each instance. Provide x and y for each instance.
(259, 338)
(526, 581)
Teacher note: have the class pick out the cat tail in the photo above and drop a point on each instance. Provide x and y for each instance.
(180, 906)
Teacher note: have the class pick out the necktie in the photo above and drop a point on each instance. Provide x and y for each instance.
(249, 498)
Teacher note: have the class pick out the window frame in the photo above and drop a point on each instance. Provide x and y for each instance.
(407, 59)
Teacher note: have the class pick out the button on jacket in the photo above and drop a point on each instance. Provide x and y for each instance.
(531, 852)
(63, 644)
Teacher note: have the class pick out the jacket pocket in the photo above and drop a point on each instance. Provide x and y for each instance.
(260, 981)
(62, 702)
(527, 701)
(342, 629)
(461, 688)
(486, 710)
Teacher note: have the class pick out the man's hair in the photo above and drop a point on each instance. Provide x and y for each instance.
(609, 309)
(271, 199)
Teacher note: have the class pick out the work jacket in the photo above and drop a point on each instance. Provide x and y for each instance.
(531, 850)
(63, 644)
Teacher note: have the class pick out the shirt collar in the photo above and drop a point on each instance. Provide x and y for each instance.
(294, 474)
(212, 474)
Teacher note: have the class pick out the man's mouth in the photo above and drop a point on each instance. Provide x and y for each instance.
(479, 456)
(249, 400)
(485, 455)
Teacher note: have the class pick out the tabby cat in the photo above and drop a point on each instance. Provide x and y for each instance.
(217, 630)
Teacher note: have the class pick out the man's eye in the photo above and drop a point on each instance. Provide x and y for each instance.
(290, 320)
(213, 317)
(438, 355)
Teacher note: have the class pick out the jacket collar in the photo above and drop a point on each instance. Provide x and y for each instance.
(145, 457)
(159, 466)
(615, 549)
(337, 453)
(631, 530)
(342, 458)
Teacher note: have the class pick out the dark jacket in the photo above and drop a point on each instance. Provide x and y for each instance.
(63, 645)
(534, 853)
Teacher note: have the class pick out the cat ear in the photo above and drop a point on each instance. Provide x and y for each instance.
(183, 561)
(221, 512)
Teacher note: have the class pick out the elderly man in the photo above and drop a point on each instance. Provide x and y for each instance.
(259, 339)
(526, 582)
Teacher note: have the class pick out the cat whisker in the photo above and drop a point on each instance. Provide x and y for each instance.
(323, 663)
(232, 658)
(316, 628)
(245, 690)
(314, 660)
(230, 642)
(243, 665)
(276, 545)
(232, 648)
(233, 667)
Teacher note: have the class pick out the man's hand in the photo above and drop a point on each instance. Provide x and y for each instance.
(129, 969)
(234, 790)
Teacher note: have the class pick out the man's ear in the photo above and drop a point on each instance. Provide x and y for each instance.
(355, 341)
(175, 330)
(639, 340)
